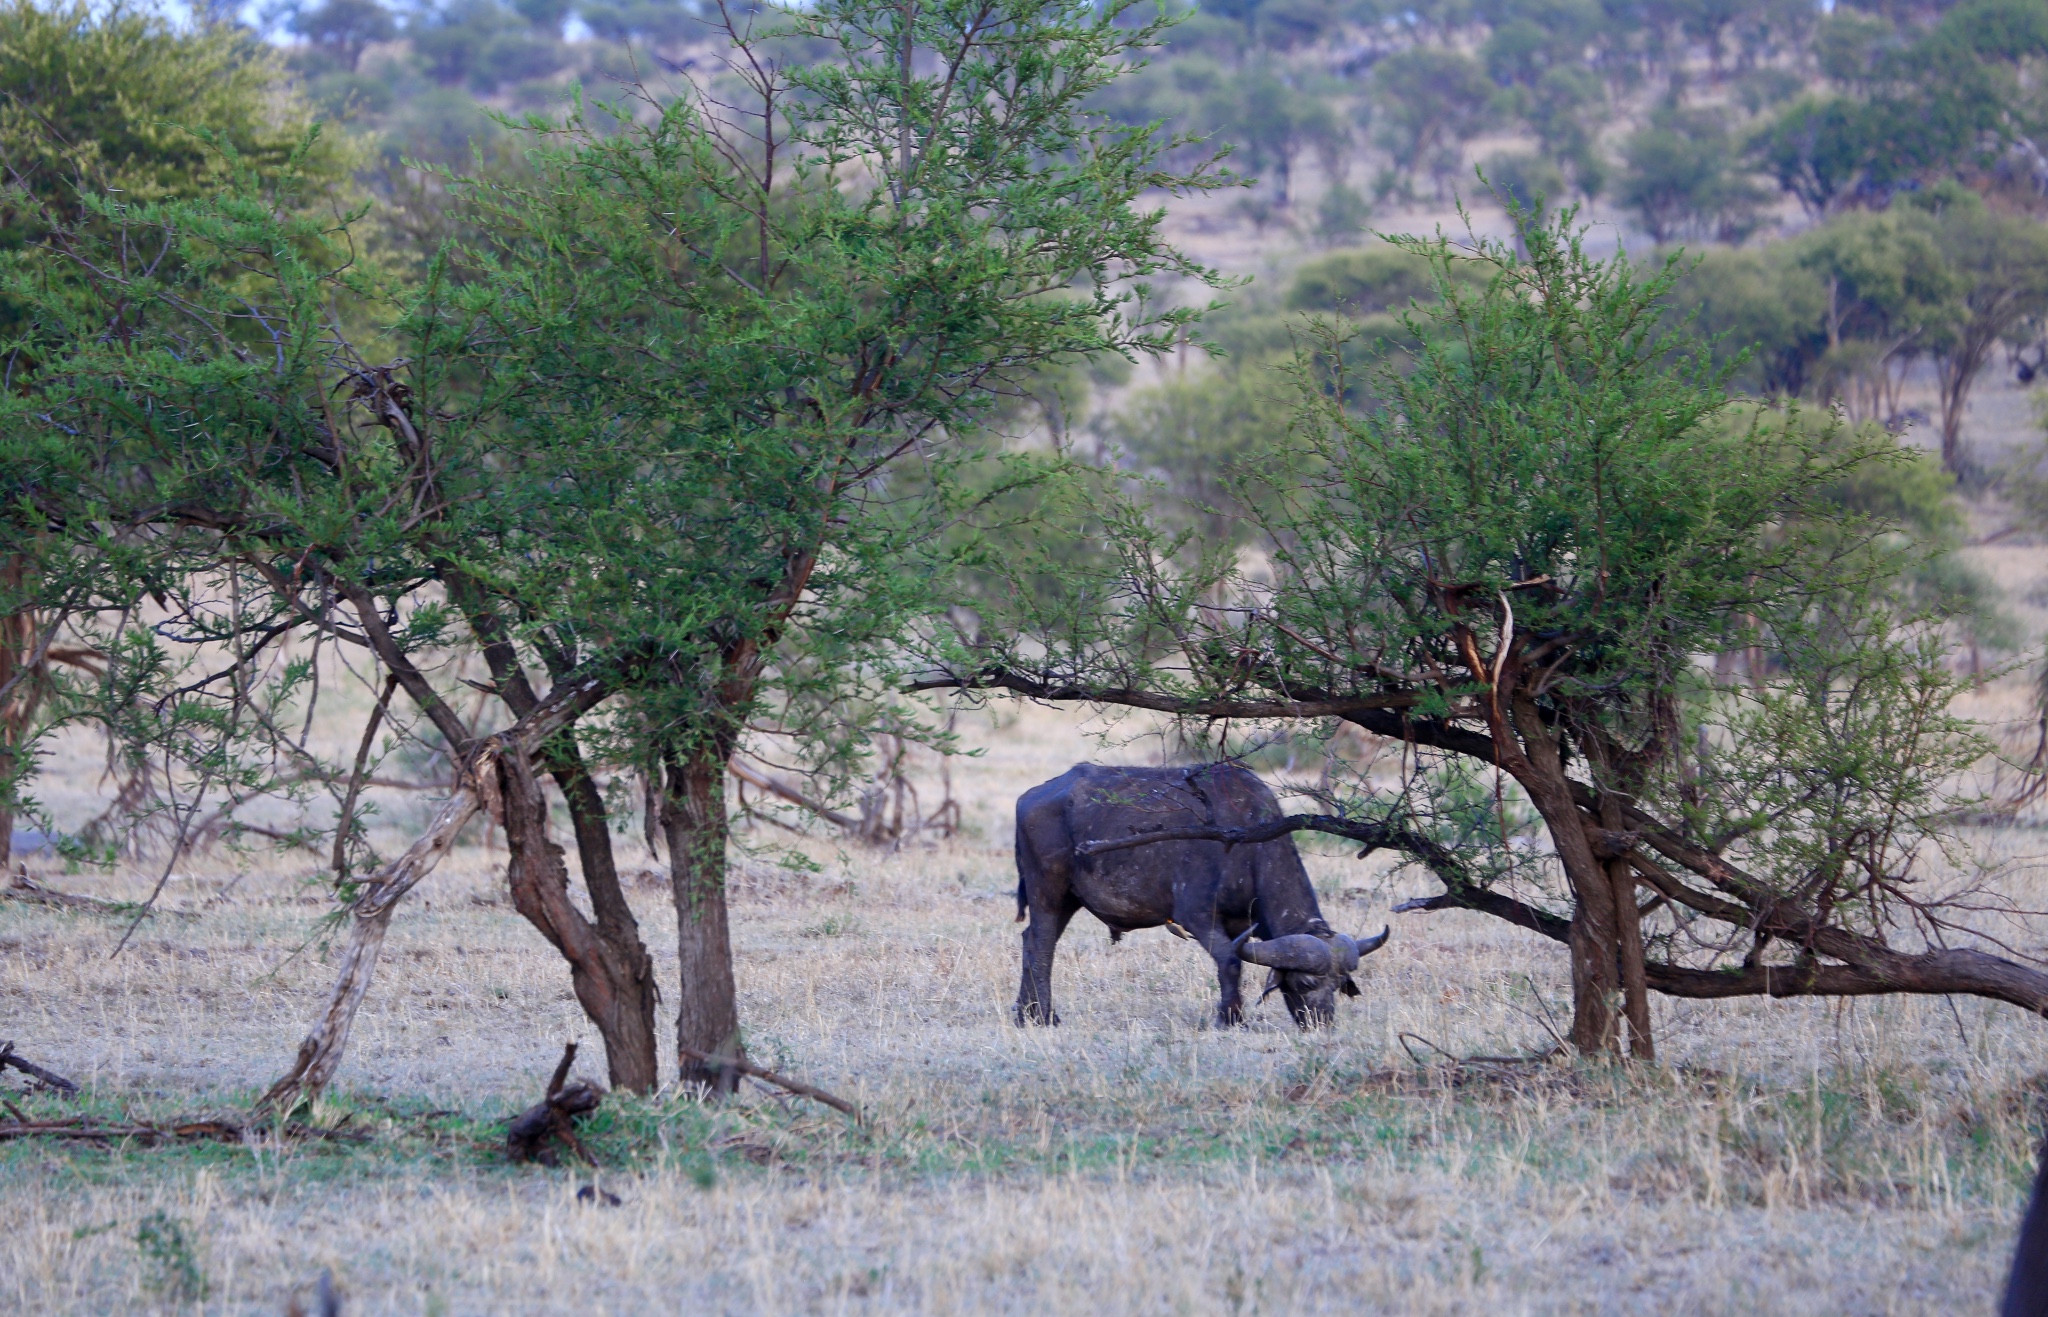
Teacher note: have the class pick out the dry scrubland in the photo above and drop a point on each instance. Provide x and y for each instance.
(1802, 1157)
(1807, 1157)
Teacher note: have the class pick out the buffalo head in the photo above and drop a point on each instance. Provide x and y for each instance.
(1309, 969)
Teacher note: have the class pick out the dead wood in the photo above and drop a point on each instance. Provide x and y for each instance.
(777, 787)
(796, 1086)
(23, 888)
(49, 1079)
(320, 1054)
(529, 1137)
(153, 1133)
(890, 810)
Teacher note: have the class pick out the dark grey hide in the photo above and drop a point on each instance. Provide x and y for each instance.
(1219, 895)
(2026, 1288)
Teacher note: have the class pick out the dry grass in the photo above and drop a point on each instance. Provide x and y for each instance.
(1796, 1157)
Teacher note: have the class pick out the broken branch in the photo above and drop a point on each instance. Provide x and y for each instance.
(23, 888)
(796, 1086)
(48, 1078)
(526, 1138)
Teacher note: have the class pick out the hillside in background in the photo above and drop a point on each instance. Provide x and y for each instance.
(1862, 179)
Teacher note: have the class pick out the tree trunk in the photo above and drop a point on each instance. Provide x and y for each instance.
(1635, 988)
(17, 705)
(615, 922)
(1955, 374)
(1595, 930)
(320, 1053)
(611, 961)
(612, 975)
(693, 820)
(1953, 393)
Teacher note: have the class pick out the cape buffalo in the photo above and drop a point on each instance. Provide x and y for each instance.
(2026, 1288)
(1214, 894)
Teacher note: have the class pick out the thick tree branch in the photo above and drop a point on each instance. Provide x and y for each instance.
(1018, 684)
(1870, 967)
(370, 913)
(400, 665)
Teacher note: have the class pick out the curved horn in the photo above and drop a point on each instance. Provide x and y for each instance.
(1348, 951)
(1304, 953)
(1367, 945)
(1237, 943)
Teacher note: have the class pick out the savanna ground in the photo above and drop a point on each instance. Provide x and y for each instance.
(1791, 1157)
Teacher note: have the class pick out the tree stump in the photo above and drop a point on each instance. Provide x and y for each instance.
(532, 1134)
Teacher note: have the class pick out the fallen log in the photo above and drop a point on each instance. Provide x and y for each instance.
(530, 1135)
(47, 1078)
(152, 1133)
(796, 1086)
(20, 887)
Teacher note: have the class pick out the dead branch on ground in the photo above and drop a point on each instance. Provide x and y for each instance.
(529, 1136)
(49, 1079)
(796, 1086)
(23, 888)
(152, 1133)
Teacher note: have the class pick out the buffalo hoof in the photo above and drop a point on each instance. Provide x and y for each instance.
(1029, 1016)
(1229, 1017)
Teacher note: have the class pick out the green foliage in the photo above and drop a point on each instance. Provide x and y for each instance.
(1341, 214)
(1910, 107)
(1490, 463)
(1380, 280)
(1371, 288)
(1762, 313)
(1201, 439)
(695, 420)
(120, 101)
(1682, 176)
(1428, 103)
(1546, 430)
(1835, 781)
(1523, 179)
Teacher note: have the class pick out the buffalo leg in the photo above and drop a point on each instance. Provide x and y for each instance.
(1041, 938)
(1229, 969)
(1230, 985)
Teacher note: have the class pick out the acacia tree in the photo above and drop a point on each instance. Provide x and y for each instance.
(803, 285)
(1507, 557)
(2000, 263)
(95, 102)
(673, 432)
(184, 362)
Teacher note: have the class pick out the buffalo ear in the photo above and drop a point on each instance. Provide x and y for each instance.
(1348, 988)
